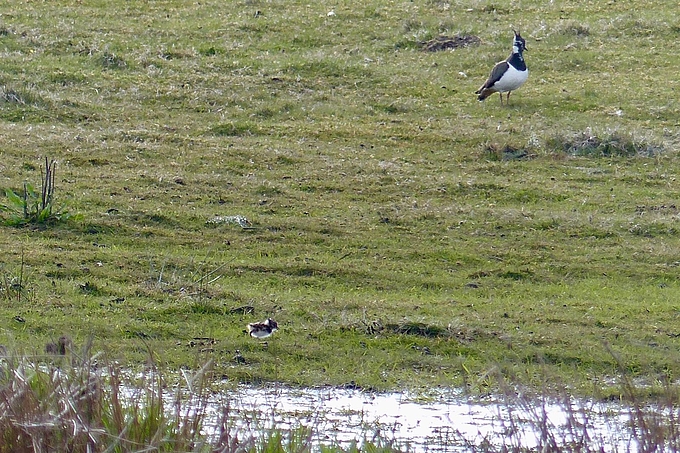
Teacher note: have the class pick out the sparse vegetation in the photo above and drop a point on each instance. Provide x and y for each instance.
(71, 404)
(71, 400)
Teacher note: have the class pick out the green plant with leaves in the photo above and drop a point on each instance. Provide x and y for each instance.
(31, 206)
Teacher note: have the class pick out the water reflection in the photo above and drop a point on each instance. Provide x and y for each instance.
(447, 422)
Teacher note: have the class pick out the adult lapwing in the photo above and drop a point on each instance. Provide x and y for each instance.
(262, 329)
(507, 75)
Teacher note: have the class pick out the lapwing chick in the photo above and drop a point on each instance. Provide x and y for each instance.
(262, 329)
(61, 347)
(507, 75)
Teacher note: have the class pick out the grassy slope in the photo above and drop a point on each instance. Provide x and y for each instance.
(361, 162)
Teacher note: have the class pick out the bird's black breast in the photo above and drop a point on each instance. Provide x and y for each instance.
(517, 62)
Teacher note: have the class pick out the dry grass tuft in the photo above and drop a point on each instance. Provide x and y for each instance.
(610, 144)
(450, 42)
(497, 152)
(20, 96)
(74, 404)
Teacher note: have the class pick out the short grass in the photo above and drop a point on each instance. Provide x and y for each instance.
(400, 232)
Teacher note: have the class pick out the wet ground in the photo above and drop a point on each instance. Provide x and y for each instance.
(440, 422)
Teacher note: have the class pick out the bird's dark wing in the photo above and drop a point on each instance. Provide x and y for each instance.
(496, 73)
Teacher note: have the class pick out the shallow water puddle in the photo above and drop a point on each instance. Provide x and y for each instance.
(447, 423)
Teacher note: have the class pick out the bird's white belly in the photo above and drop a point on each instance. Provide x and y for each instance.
(511, 80)
(260, 333)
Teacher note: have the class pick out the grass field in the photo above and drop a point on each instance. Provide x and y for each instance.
(400, 232)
